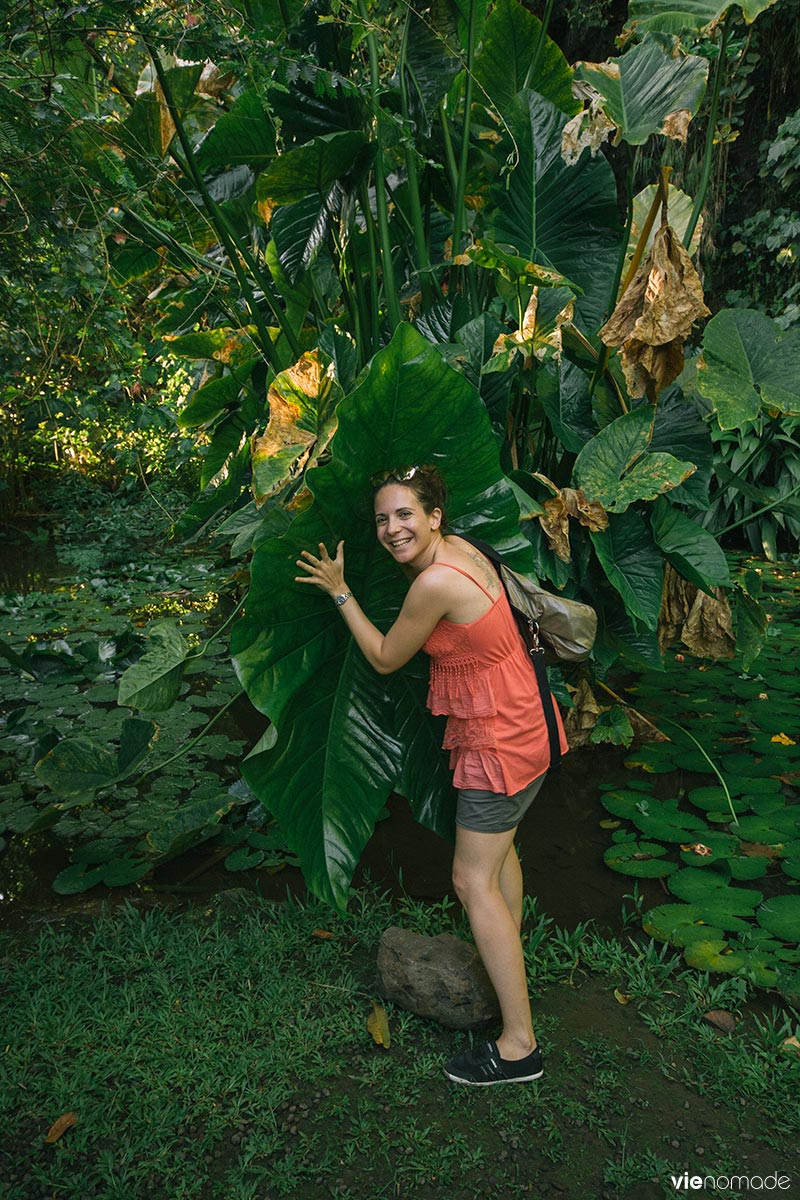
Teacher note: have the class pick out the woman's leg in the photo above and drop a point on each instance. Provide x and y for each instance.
(481, 861)
(511, 884)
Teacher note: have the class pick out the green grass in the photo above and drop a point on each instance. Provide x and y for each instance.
(222, 1053)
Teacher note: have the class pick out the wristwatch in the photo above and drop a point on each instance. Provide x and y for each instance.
(339, 600)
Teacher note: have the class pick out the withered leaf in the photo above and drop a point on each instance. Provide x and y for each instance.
(622, 997)
(581, 720)
(703, 623)
(302, 421)
(654, 316)
(378, 1026)
(60, 1126)
(721, 1019)
(323, 934)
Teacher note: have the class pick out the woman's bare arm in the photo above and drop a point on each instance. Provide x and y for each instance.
(426, 603)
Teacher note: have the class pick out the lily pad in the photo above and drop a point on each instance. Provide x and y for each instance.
(715, 955)
(662, 922)
(781, 916)
(746, 867)
(77, 879)
(669, 825)
(772, 830)
(711, 847)
(791, 867)
(713, 799)
(641, 859)
(694, 885)
(623, 803)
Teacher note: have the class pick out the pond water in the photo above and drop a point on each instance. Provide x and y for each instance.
(606, 801)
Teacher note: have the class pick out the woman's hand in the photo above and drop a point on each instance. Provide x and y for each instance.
(325, 572)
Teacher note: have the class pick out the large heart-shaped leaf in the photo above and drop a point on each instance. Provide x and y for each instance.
(510, 40)
(749, 362)
(428, 63)
(618, 466)
(153, 683)
(675, 16)
(693, 552)
(347, 736)
(313, 167)
(302, 420)
(648, 85)
(244, 135)
(633, 564)
(560, 216)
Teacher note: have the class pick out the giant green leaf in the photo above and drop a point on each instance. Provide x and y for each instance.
(510, 41)
(153, 683)
(314, 167)
(646, 85)
(676, 16)
(693, 551)
(618, 466)
(347, 736)
(749, 363)
(559, 216)
(428, 64)
(633, 564)
(245, 134)
(302, 402)
(563, 391)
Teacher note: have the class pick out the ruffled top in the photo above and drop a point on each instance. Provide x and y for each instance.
(482, 679)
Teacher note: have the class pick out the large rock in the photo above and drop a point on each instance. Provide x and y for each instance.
(440, 977)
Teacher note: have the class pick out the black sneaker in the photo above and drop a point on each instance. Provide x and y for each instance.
(483, 1066)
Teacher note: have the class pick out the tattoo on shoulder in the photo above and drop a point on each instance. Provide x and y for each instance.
(487, 572)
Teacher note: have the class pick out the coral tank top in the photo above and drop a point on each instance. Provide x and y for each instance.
(482, 679)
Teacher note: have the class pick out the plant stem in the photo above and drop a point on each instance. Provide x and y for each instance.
(705, 176)
(710, 762)
(236, 251)
(417, 222)
(381, 204)
(185, 749)
(759, 511)
(461, 180)
(669, 721)
(217, 632)
(531, 72)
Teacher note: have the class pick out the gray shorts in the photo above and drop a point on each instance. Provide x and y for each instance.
(493, 812)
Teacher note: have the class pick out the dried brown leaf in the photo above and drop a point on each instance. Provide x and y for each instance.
(655, 315)
(720, 1019)
(581, 720)
(60, 1126)
(321, 933)
(676, 125)
(378, 1026)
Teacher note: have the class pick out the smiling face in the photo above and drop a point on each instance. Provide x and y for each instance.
(403, 526)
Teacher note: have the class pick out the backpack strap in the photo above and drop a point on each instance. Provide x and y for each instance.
(530, 636)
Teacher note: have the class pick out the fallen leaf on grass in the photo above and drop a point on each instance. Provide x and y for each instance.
(378, 1025)
(790, 1045)
(721, 1019)
(622, 997)
(60, 1126)
(321, 933)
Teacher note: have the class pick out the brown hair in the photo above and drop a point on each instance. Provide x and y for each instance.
(424, 481)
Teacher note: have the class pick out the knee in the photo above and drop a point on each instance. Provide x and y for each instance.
(467, 885)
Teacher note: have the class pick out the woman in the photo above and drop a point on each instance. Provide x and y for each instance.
(457, 611)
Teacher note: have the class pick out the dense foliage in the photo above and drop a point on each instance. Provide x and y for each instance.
(388, 236)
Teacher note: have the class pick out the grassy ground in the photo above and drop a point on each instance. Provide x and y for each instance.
(222, 1053)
